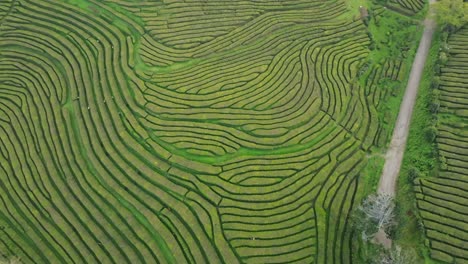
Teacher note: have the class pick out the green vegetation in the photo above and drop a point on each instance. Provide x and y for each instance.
(372, 173)
(411, 6)
(194, 131)
(407, 7)
(392, 50)
(394, 41)
(441, 199)
(419, 161)
(451, 14)
(435, 160)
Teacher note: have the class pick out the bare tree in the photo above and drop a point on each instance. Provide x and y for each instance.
(378, 208)
(376, 212)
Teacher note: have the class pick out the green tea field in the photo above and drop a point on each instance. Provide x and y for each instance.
(170, 131)
(442, 200)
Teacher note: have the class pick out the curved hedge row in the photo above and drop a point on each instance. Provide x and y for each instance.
(442, 200)
(183, 132)
(411, 6)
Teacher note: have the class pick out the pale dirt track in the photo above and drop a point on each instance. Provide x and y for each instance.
(394, 155)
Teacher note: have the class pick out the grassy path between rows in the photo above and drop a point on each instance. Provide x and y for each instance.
(394, 155)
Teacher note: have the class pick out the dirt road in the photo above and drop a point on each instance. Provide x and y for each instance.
(394, 155)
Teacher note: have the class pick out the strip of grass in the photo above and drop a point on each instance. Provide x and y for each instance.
(391, 33)
(354, 7)
(372, 173)
(420, 157)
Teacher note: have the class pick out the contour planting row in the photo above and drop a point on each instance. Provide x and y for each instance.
(307, 178)
(200, 43)
(187, 25)
(5, 8)
(255, 187)
(411, 6)
(442, 206)
(381, 83)
(276, 101)
(91, 119)
(246, 34)
(304, 185)
(240, 140)
(442, 200)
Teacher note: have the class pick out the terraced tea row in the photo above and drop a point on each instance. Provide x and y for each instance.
(410, 6)
(442, 200)
(246, 117)
(192, 25)
(113, 210)
(135, 132)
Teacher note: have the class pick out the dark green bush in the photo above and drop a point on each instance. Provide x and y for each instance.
(431, 134)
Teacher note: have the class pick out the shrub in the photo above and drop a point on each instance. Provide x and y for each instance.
(443, 162)
(437, 69)
(431, 134)
(435, 82)
(443, 58)
(413, 173)
(434, 107)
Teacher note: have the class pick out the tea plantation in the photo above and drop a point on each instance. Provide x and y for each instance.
(442, 200)
(204, 131)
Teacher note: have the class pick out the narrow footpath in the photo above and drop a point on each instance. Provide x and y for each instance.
(394, 155)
